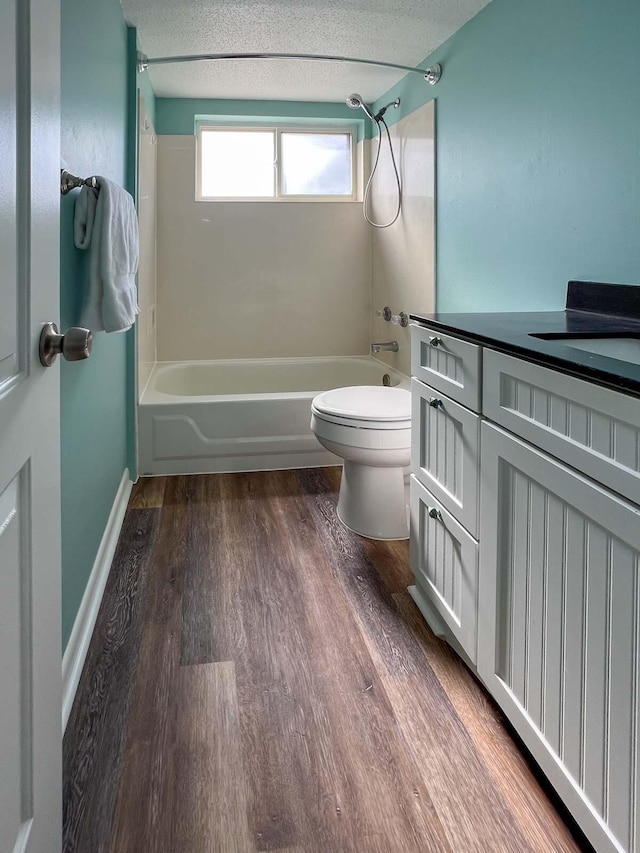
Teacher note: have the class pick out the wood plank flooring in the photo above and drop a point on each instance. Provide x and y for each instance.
(260, 680)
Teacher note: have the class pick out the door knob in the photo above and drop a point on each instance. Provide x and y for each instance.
(75, 345)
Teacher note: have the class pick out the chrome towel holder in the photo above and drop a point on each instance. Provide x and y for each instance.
(70, 182)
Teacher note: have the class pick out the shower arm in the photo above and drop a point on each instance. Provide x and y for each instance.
(395, 104)
(431, 74)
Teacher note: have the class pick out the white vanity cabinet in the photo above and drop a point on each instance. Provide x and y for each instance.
(525, 545)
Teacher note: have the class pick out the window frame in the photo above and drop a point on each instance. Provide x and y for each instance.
(350, 130)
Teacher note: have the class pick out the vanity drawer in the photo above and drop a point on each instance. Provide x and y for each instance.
(594, 429)
(448, 364)
(445, 441)
(444, 560)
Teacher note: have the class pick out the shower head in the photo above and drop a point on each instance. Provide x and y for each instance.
(355, 102)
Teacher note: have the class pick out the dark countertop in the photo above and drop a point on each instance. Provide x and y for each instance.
(512, 333)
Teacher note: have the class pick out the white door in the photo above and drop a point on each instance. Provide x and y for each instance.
(30, 652)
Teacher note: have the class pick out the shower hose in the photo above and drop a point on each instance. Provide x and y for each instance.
(379, 121)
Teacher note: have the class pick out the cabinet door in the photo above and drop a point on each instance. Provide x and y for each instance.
(448, 364)
(445, 440)
(559, 628)
(444, 560)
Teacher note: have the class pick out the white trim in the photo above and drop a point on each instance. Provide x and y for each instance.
(78, 645)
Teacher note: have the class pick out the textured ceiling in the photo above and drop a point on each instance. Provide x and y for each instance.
(402, 31)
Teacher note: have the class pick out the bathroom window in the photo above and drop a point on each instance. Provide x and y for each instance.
(275, 164)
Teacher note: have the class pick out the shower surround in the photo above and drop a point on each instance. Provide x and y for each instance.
(265, 282)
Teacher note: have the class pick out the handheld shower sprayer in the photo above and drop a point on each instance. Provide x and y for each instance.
(355, 102)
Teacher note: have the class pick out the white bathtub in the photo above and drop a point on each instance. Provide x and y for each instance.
(242, 415)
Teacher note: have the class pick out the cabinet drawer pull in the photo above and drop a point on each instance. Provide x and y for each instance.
(434, 512)
(435, 402)
(435, 342)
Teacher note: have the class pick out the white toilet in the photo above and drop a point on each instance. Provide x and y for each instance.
(370, 428)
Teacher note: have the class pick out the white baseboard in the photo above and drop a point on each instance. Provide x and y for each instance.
(78, 645)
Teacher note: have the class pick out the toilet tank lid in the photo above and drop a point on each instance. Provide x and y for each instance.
(366, 402)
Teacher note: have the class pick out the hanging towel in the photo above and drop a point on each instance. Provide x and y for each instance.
(106, 224)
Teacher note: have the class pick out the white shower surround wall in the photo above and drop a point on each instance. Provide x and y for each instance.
(242, 415)
(243, 279)
(403, 256)
(147, 197)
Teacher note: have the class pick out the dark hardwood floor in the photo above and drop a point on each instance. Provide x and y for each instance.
(260, 680)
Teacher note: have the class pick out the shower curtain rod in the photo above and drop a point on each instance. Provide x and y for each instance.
(431, 75)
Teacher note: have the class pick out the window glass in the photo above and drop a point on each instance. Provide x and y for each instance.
(315, 164)
(237, 164)
(273, 163)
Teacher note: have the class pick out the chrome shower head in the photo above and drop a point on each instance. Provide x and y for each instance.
(355, 102)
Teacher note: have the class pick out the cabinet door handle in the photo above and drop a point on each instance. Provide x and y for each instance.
(434, 512)
(435, 402)
(435, 342)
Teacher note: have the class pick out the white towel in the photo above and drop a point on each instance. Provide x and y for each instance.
(105, 222)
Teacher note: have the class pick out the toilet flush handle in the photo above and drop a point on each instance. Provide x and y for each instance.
(434, 512)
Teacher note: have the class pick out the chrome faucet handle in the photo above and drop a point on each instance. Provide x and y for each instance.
(401, 319)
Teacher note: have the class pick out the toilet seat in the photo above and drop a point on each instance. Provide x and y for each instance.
(365, 407)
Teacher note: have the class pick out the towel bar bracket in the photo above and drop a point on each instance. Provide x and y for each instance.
(70, 182)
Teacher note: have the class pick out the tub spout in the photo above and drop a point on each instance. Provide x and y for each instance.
(390, 346)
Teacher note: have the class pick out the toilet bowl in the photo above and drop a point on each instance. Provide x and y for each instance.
(369, 427)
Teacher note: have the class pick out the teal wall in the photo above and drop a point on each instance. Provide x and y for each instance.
(179, 115)
(94, 399)
(537, 151)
